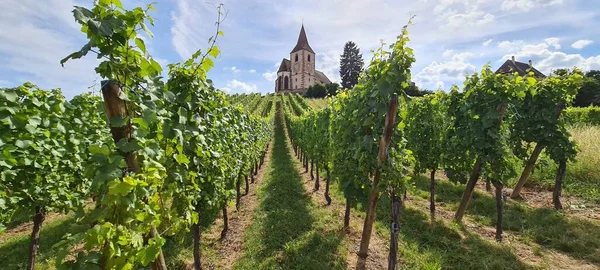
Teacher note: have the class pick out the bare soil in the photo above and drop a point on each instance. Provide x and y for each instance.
(532, 254)
(26, 227)
(542, 198)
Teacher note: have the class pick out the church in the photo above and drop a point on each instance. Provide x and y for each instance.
(298, 73)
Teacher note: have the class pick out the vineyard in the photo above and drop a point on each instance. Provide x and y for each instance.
(172, 173)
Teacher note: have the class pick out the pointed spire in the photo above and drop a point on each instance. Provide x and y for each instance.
(302, 42)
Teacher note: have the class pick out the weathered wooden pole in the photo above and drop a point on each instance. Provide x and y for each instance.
(116, 107)
(394, 230)
(384, 143)
(516, 193)
(560, 175)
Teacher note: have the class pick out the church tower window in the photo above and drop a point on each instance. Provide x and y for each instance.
(309, 58)
(296, 58)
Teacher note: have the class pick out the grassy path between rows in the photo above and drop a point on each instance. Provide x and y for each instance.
(294, 229)
(289, 231)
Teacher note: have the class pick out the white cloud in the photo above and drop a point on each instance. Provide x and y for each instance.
(329, 64)
(453, 71)
(461, 57)
(237, 70)
(458, 24)
(510, 46)
(448, 53)
(527, 5)
(469, 18)
(270, 76)
(235, 86)
(554, 42)
(580, 44)
(461, 22)
(35, 36)
(546, 59)
(523, 5)
(487, 42)
(459, 13)
(192, 26)
(440, 85)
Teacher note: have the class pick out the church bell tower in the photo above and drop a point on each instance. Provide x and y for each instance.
(302, 59)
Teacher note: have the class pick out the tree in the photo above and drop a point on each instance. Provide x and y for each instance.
(561, 72)
(594, 73)
(589, 94)
(351, 64)
(332, 88)
(316, 91)
(414, 91)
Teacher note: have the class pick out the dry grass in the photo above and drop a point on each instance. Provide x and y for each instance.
(583, 176)
(317, 103)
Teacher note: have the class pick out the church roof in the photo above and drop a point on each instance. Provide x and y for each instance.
(322, 77)
(286, 65)
(521, 68)
(302, 43)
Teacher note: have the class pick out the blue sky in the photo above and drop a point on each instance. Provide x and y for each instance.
(451, 38)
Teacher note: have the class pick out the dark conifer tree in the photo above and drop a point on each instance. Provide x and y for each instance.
(351, 64)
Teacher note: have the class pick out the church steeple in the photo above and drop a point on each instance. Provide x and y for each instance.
(302, 43)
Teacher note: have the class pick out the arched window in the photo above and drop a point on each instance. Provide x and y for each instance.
(309, 58)
(285, 83)
(279, 83)
(296, 58)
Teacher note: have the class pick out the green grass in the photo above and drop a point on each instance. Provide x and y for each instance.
(438, 245)
(317, 103)
(577, 237)
(14, 249)
(583, 176)
(178, 252)
(288, 230)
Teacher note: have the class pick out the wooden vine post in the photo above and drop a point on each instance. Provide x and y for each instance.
(562, 169)
(115, 107)
(501, 109)
(466, 198)
(516, 193)
(384, 143)
(560, 175)
(432, 192)
(394, 230)
(38, 219)
(317, 179)
(327, 181)
(467, 195)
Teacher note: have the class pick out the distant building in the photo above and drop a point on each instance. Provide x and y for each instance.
(511, 66)
(297, 75)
